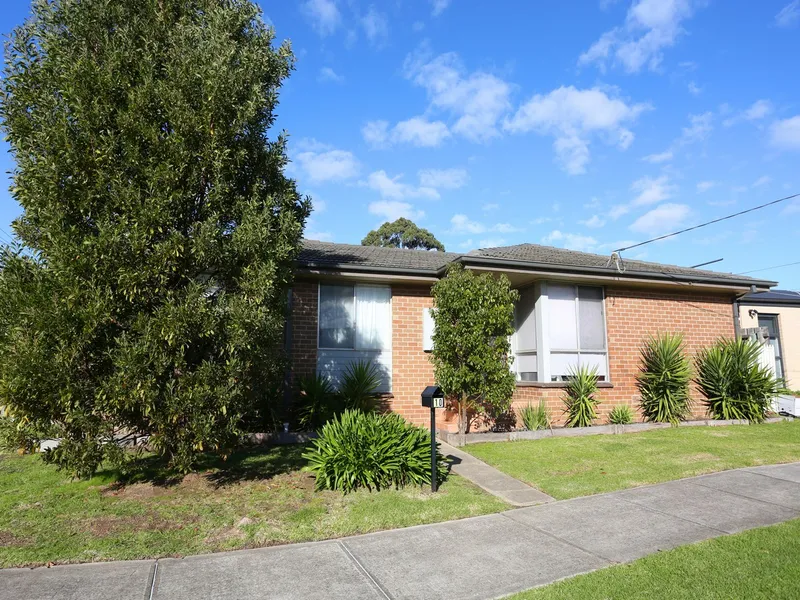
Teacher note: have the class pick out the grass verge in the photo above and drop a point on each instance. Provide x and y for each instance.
(570, 467)
(256, 498)
(761, 563)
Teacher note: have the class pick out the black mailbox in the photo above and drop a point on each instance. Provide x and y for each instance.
(433, 397)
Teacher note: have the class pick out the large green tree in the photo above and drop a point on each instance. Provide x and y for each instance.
(402, 233)
(158, 232)
(473, 318)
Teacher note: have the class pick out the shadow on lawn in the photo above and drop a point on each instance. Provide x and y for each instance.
(260, 462)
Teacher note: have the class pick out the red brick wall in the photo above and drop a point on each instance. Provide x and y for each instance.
(305, 298)
(631, 316)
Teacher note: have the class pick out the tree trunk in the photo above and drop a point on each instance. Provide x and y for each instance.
(462, 420)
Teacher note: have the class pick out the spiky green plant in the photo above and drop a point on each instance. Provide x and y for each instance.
(373, 451)
(733, 382)
(622, 414)
(359, 386)
(579, 401)
(317, 403)
(535, 417)
(663, 379)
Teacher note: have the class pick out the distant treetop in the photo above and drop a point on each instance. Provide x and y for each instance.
(402, 233)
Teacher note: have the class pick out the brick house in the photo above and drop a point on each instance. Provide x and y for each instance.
(367, 303)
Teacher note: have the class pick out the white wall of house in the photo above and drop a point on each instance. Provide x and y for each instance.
(788, 319)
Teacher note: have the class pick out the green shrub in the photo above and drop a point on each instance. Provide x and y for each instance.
(369, 450)
(359, 386)
(663, 379)
(535, 417)
(622, 414)
(733, 382)
(318, 402)
(579, 401)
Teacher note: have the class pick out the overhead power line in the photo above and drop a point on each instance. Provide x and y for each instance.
(744, 212)
(769, 268)
(710, 262)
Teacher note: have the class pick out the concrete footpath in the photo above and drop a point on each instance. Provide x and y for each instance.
(478, 558)
(497, 483)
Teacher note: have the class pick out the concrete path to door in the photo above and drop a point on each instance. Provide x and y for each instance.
(478, 558)
(513, 491)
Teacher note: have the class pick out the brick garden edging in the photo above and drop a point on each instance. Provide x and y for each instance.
(511, 436)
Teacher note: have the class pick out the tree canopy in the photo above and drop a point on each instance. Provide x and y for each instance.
(402, 233)
(158, 234)
(473, 319)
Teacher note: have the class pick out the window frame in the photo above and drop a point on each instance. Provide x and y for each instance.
(544, 349)
(355, 347)
(775, 318)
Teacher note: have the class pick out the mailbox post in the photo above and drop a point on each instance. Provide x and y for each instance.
(433, 398)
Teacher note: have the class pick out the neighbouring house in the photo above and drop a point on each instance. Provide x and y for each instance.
(777, 314)
(354, 303)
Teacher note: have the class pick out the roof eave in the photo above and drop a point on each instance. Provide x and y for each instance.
(627, 274)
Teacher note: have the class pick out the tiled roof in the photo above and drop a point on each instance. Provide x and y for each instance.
(772, 297)
(393, 260)
(327, 254)
(547, 255)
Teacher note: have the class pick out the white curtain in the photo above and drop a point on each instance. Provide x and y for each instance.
(373, 317)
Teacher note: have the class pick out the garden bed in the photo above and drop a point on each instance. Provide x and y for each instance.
(511, 436)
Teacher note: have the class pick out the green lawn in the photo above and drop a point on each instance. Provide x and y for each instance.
(761, 563)
(570, 467)
(45, 517)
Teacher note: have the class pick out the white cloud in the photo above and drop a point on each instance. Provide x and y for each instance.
(658, 158)
(446, 179)
(392, 187)
(376, 26)
(420, 132)
(700, 126)
(704, 186)
(694, 89)
(661, 219)
(648, 191)
(323, 14)
(785, 134)
(571, 241)
(506, 228)
(391, 210)
(416, 131)
(327, 74)
(490, 207)
(594, 221)
(439, 6)
(462, 224)
(324, 163)
(789, 15)
(477, 100)
(418, 26)
(375, 133)
(491, 242)
(763, 180)
(755, 112)
(792, 208)
(650, 27)
(573, 116)
(541, 220)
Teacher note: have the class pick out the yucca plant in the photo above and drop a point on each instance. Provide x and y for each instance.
(734, 383)
(535, 417)
(359, 386)
(663, 379)
(579, 401)
(317, 402)
(622, 414)
(373, 451)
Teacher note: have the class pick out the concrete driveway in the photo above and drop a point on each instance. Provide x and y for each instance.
(516, 550)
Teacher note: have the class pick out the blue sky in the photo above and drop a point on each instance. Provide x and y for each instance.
(586, 125)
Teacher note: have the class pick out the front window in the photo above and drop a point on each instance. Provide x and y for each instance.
(559, 327)
(355, 324)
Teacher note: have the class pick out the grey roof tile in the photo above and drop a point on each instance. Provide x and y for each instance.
(330, 255)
